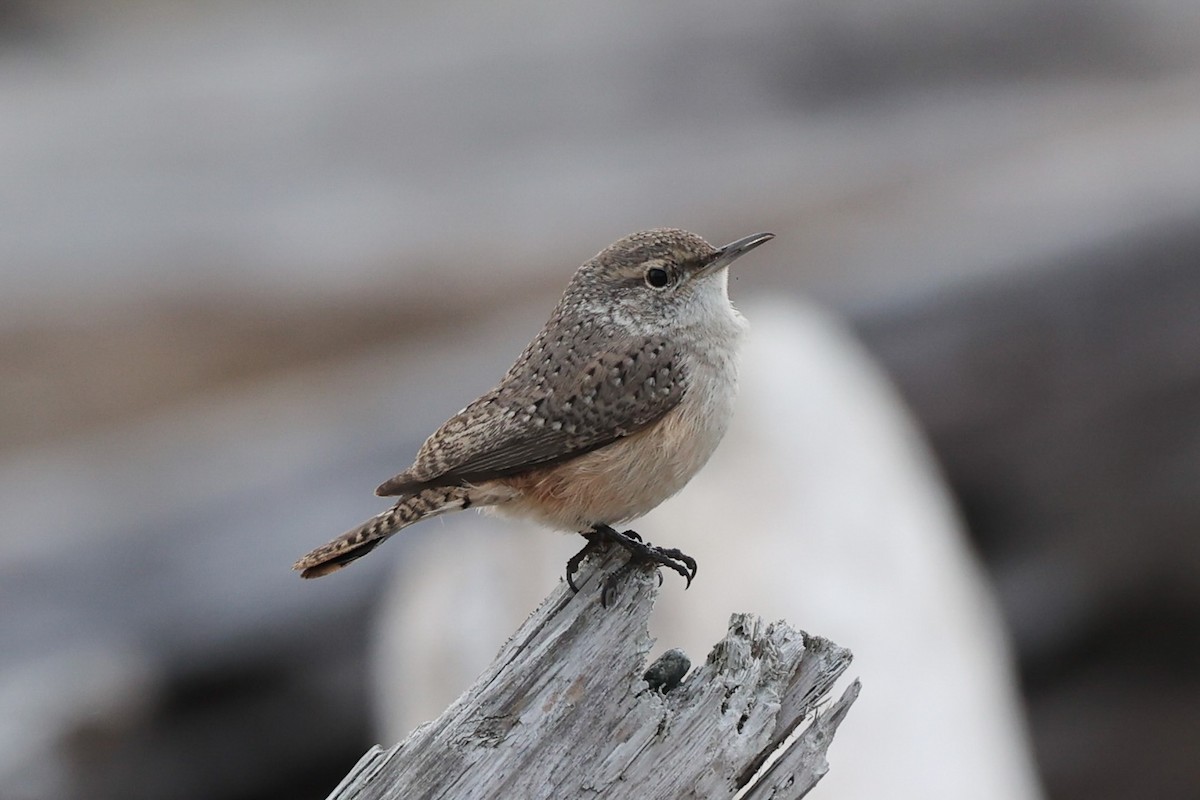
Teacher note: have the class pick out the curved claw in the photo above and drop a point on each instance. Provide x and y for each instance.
(673, 557)
(573, 563)
(639, 551)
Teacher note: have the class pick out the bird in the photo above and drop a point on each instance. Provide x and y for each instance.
(620, 398)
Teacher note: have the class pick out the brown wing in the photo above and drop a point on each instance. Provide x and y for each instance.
(615, 393)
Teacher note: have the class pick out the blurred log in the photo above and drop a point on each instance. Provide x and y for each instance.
(565, 710)
(1064, 404)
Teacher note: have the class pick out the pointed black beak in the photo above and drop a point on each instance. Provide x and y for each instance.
(735, 250)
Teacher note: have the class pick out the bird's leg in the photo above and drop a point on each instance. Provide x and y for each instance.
(638, 550)
(645, 552)
(593, 544)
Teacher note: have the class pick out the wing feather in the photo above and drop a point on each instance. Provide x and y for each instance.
(618, 391)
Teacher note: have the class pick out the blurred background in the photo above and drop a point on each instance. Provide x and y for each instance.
(252, 252)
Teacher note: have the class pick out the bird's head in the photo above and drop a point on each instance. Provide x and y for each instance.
(665, 277)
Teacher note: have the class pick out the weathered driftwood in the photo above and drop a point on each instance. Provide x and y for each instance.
(565, 711)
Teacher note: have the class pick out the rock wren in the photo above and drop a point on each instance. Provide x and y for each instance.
(617, 402)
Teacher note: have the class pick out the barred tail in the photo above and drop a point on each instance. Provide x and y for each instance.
(357, 542)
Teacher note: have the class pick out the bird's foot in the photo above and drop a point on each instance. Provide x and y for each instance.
(639, 552)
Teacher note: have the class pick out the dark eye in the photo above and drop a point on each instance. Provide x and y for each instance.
(657, 277)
